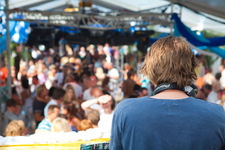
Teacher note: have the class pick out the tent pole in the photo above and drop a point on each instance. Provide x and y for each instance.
(8, 50)
(171, 25)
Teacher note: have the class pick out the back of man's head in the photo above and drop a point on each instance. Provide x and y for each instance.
(58, 93)
(170, 60)
(53, 112)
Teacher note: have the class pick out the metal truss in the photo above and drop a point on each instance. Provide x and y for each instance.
(90, 21)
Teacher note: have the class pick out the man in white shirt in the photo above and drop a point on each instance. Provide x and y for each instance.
(113, 74)
(92, 83)
(60, 75)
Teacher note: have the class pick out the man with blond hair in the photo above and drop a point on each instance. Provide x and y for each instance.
(171, 119)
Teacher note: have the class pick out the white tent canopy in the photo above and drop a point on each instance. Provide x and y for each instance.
(214, 9)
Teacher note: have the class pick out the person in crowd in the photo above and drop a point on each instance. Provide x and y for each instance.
(105, 84)
(42, 77)
(128, 86)
(207, 88)
(51, 77)
(106, 113)
(26, 96)
(25, 93)
(31, 67)
(222, 101)
(100, 75)
(51, 90)
(60, 125)
(15, 128)
(15, 112)
(60, 75)
(222, 79)
(15, 96)
(143, 92)
(170, 66)
(22, 70)
(84, 125)
(92, 83)
(14, 76)
(113, 74)
(82, 53)
(201, 95)
(209, 77)
(70, 80)
(125, 71)
(72, 115)
(93, 116)
(85, 80)
(217, 95)
(57, 98)
(46, 124)
(204, 92)
(70, 96)
(95, 93)
(216, 84)
(40, 102)
(34, 86)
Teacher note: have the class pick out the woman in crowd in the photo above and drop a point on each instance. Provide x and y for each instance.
(69, 109)
(51, 77)
(25, 93)
(71, 97)
(40, 102)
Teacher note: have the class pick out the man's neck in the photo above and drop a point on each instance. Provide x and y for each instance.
(171, 94)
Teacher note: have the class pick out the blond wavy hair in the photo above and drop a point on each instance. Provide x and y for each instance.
(40, 89)
(69, 87)
(170, 60)
(15, 128)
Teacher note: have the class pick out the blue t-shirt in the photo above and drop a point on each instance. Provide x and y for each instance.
(162, 124)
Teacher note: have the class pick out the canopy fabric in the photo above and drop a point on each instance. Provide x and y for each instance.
(181, 30)
(195, 39)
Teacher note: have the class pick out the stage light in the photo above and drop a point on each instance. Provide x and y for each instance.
(132, 23)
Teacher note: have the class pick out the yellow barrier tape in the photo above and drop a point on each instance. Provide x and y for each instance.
(56, 146)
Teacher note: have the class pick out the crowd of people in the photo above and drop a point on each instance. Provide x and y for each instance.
(80, 88)
(211, 87)
(75, 90)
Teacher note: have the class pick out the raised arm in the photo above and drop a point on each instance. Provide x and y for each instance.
(102, 99)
